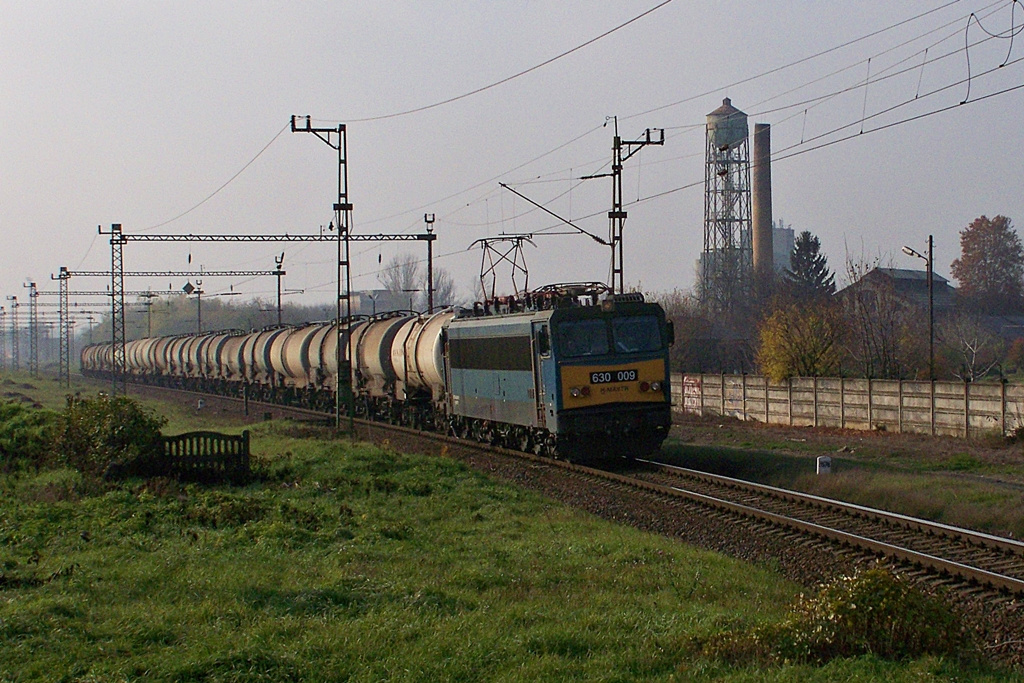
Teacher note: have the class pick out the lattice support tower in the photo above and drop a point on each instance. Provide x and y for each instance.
(15, 359)
(3, 338)
(33, 330)
(65, 325)
(727, 259)
(337, 138)
(117, 324)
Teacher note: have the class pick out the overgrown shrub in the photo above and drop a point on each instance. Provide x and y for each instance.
(872, 612)
(26, 434)
(94, 433)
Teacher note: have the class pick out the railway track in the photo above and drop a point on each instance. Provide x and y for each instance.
(963, 560)
(974, 557)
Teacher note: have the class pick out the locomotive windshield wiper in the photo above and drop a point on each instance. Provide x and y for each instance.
(564, 220)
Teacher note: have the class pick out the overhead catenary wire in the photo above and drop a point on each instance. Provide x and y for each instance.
(223, 185)
(789, 65)
(535, 67)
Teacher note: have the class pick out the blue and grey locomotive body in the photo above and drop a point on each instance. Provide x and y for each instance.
(578, 380)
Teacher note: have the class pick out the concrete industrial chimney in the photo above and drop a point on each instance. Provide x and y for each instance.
(761, 201)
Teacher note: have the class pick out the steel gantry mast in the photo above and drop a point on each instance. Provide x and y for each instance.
(342, 218)
(65, 326)
(33, 329)
(336, 138)
(15, 360)
(120, 365)
(617, 216)
(3, 338)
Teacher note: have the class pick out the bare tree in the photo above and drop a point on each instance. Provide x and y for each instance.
(972, 348)
(884, 332)
(444, 289)
(401, 274)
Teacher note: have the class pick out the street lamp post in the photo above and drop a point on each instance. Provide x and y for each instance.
(931, 302)
(411, 292)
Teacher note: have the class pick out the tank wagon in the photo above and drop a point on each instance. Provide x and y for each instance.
(569, 370)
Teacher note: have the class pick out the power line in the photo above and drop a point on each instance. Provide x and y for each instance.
(477, 91)
(225, 184)
(777, 69)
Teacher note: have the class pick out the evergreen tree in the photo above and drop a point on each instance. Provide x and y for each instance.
(808, 268)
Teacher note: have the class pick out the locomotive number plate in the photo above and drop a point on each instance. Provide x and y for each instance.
(609, 376)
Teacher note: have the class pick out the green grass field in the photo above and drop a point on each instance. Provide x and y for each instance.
(351, 562)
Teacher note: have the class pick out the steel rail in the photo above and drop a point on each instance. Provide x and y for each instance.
(977, 538)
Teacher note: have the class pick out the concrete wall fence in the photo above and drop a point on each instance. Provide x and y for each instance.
(961, 409)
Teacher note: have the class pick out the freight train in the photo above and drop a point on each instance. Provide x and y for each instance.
(568, 370)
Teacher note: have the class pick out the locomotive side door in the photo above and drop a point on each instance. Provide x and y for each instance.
(542, 359)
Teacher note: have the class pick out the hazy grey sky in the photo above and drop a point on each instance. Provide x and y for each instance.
(132, 113)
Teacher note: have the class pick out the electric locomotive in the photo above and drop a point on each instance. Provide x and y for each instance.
(575, 372)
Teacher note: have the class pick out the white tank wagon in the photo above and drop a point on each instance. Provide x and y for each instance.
(375, 371)
(318, 363)
(160, 357)
(175, 356)
(133, 357)
(417, 355)
(329, 350)
(292, 355)
(209, 365)
(189, 356)
(145, 361)
(229, 358)
(96, 358)
(261, 371)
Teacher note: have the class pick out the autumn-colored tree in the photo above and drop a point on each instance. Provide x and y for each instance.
(808, 272)
(801, 340)
(1015, 355)
(991, 265)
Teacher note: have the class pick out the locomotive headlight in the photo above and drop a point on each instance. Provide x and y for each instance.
(655, 386)
(575, 392)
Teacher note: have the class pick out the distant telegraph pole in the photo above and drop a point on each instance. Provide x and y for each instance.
(428, 218)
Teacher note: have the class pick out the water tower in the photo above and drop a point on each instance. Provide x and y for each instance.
(726, 264)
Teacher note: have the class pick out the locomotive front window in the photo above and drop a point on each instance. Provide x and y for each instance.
(636, 334)
(583, 338)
